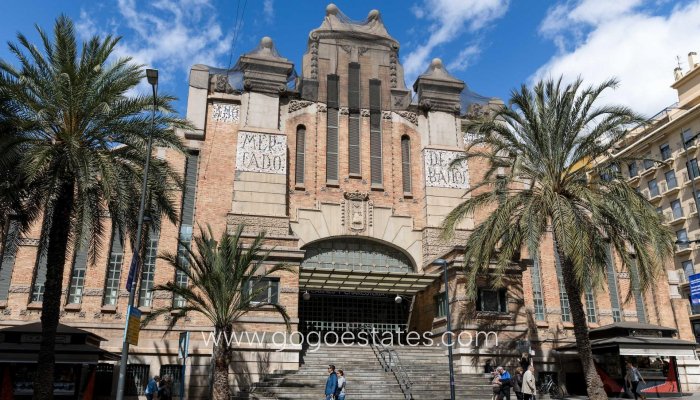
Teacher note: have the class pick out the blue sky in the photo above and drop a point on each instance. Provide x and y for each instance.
(493, 45)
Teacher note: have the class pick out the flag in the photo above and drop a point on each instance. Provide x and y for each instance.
(133, 271)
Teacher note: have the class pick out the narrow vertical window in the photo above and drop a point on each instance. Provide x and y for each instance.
(354, 119)
(537, 297)
(612, 287)
(37, 294)
(7, 263)
(332, 131)
(186, 222)
(406, 163)
(301, 152)
(636, 290)
(114, 268)
(375, 132)
(77, 279)
(149, 268)
(563, 296)
(591, 313)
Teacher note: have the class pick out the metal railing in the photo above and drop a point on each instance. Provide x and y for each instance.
(390, 361)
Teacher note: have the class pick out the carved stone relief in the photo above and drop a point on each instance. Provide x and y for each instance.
(409, 116)
(439, 171)
(261, 152)
(296, 105)
(357, 210)
(227, 113)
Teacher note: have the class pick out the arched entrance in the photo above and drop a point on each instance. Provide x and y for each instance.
(348, 284)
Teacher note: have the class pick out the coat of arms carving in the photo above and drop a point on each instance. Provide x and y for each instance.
(357, 211)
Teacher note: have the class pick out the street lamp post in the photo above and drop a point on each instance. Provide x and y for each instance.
(152, 76)
(443, 262)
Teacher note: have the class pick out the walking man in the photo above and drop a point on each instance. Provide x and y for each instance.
(505, 383)
(331, 383)
(529, 388)
(152, 387)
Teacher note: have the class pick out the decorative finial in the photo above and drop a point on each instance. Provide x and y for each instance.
(331, 9)
(436, 63)
(374, 14)
(266, 42)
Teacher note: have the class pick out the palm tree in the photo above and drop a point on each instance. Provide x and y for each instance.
(77, 139)
(227, 279)
(542, 154)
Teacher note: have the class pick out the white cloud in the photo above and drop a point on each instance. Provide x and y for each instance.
(269, 10)
(170, 35)
(448, 19)
(636, 46)
(464, 59)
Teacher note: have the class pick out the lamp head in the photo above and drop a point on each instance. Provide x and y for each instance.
(398, 299)
(306, 295)
(441, 261)
(152, 76)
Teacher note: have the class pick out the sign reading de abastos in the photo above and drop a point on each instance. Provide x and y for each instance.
(261, 152)
(439, 171)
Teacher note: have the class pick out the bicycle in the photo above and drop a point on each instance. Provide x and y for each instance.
(550, 387)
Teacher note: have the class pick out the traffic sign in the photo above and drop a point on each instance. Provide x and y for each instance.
(133, 326)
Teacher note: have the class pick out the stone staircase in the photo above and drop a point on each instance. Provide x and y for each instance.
(366, 380)
(428, 370)
(365, 377)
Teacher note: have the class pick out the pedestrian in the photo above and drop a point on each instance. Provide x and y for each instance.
(152, 387)
(505, 383)
(165, 390)
(529, 387)
(340, 393)
(525, 361)
(632, 378)
(496, 385)
(331, 383)
(518, 383)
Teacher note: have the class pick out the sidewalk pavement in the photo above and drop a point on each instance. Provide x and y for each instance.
(690, 396)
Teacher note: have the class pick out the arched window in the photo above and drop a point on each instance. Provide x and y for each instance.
(406, 163)
(356, 254)
(299, 163)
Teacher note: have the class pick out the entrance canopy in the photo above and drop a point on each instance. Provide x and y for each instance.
(341, 279)
(21, 343)
(639, 346)
(636, 339)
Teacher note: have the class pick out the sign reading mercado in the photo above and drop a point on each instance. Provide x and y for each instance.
(439, 171)
(261, 152)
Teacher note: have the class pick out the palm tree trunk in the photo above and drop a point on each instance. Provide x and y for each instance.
(594, 385)
(222, 356)
(51, 304)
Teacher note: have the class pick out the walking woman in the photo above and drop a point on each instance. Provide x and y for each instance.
(340, 393)
(496, 385)
(632, 378)
(518, 383)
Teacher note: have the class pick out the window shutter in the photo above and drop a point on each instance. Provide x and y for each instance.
(354, 87)
(375, 131)
(190, 188)
(354, 143)
(332, 97)
(8, 258)
(332, 146)
(406, 163)
(299, 164)
(332, 130)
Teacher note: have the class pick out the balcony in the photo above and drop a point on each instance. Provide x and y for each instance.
(650, 170)
(633, 179)
(669, 188)
(683, 249)
(686, 179)
(692, 146)
(673, 219)
(652, 196)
